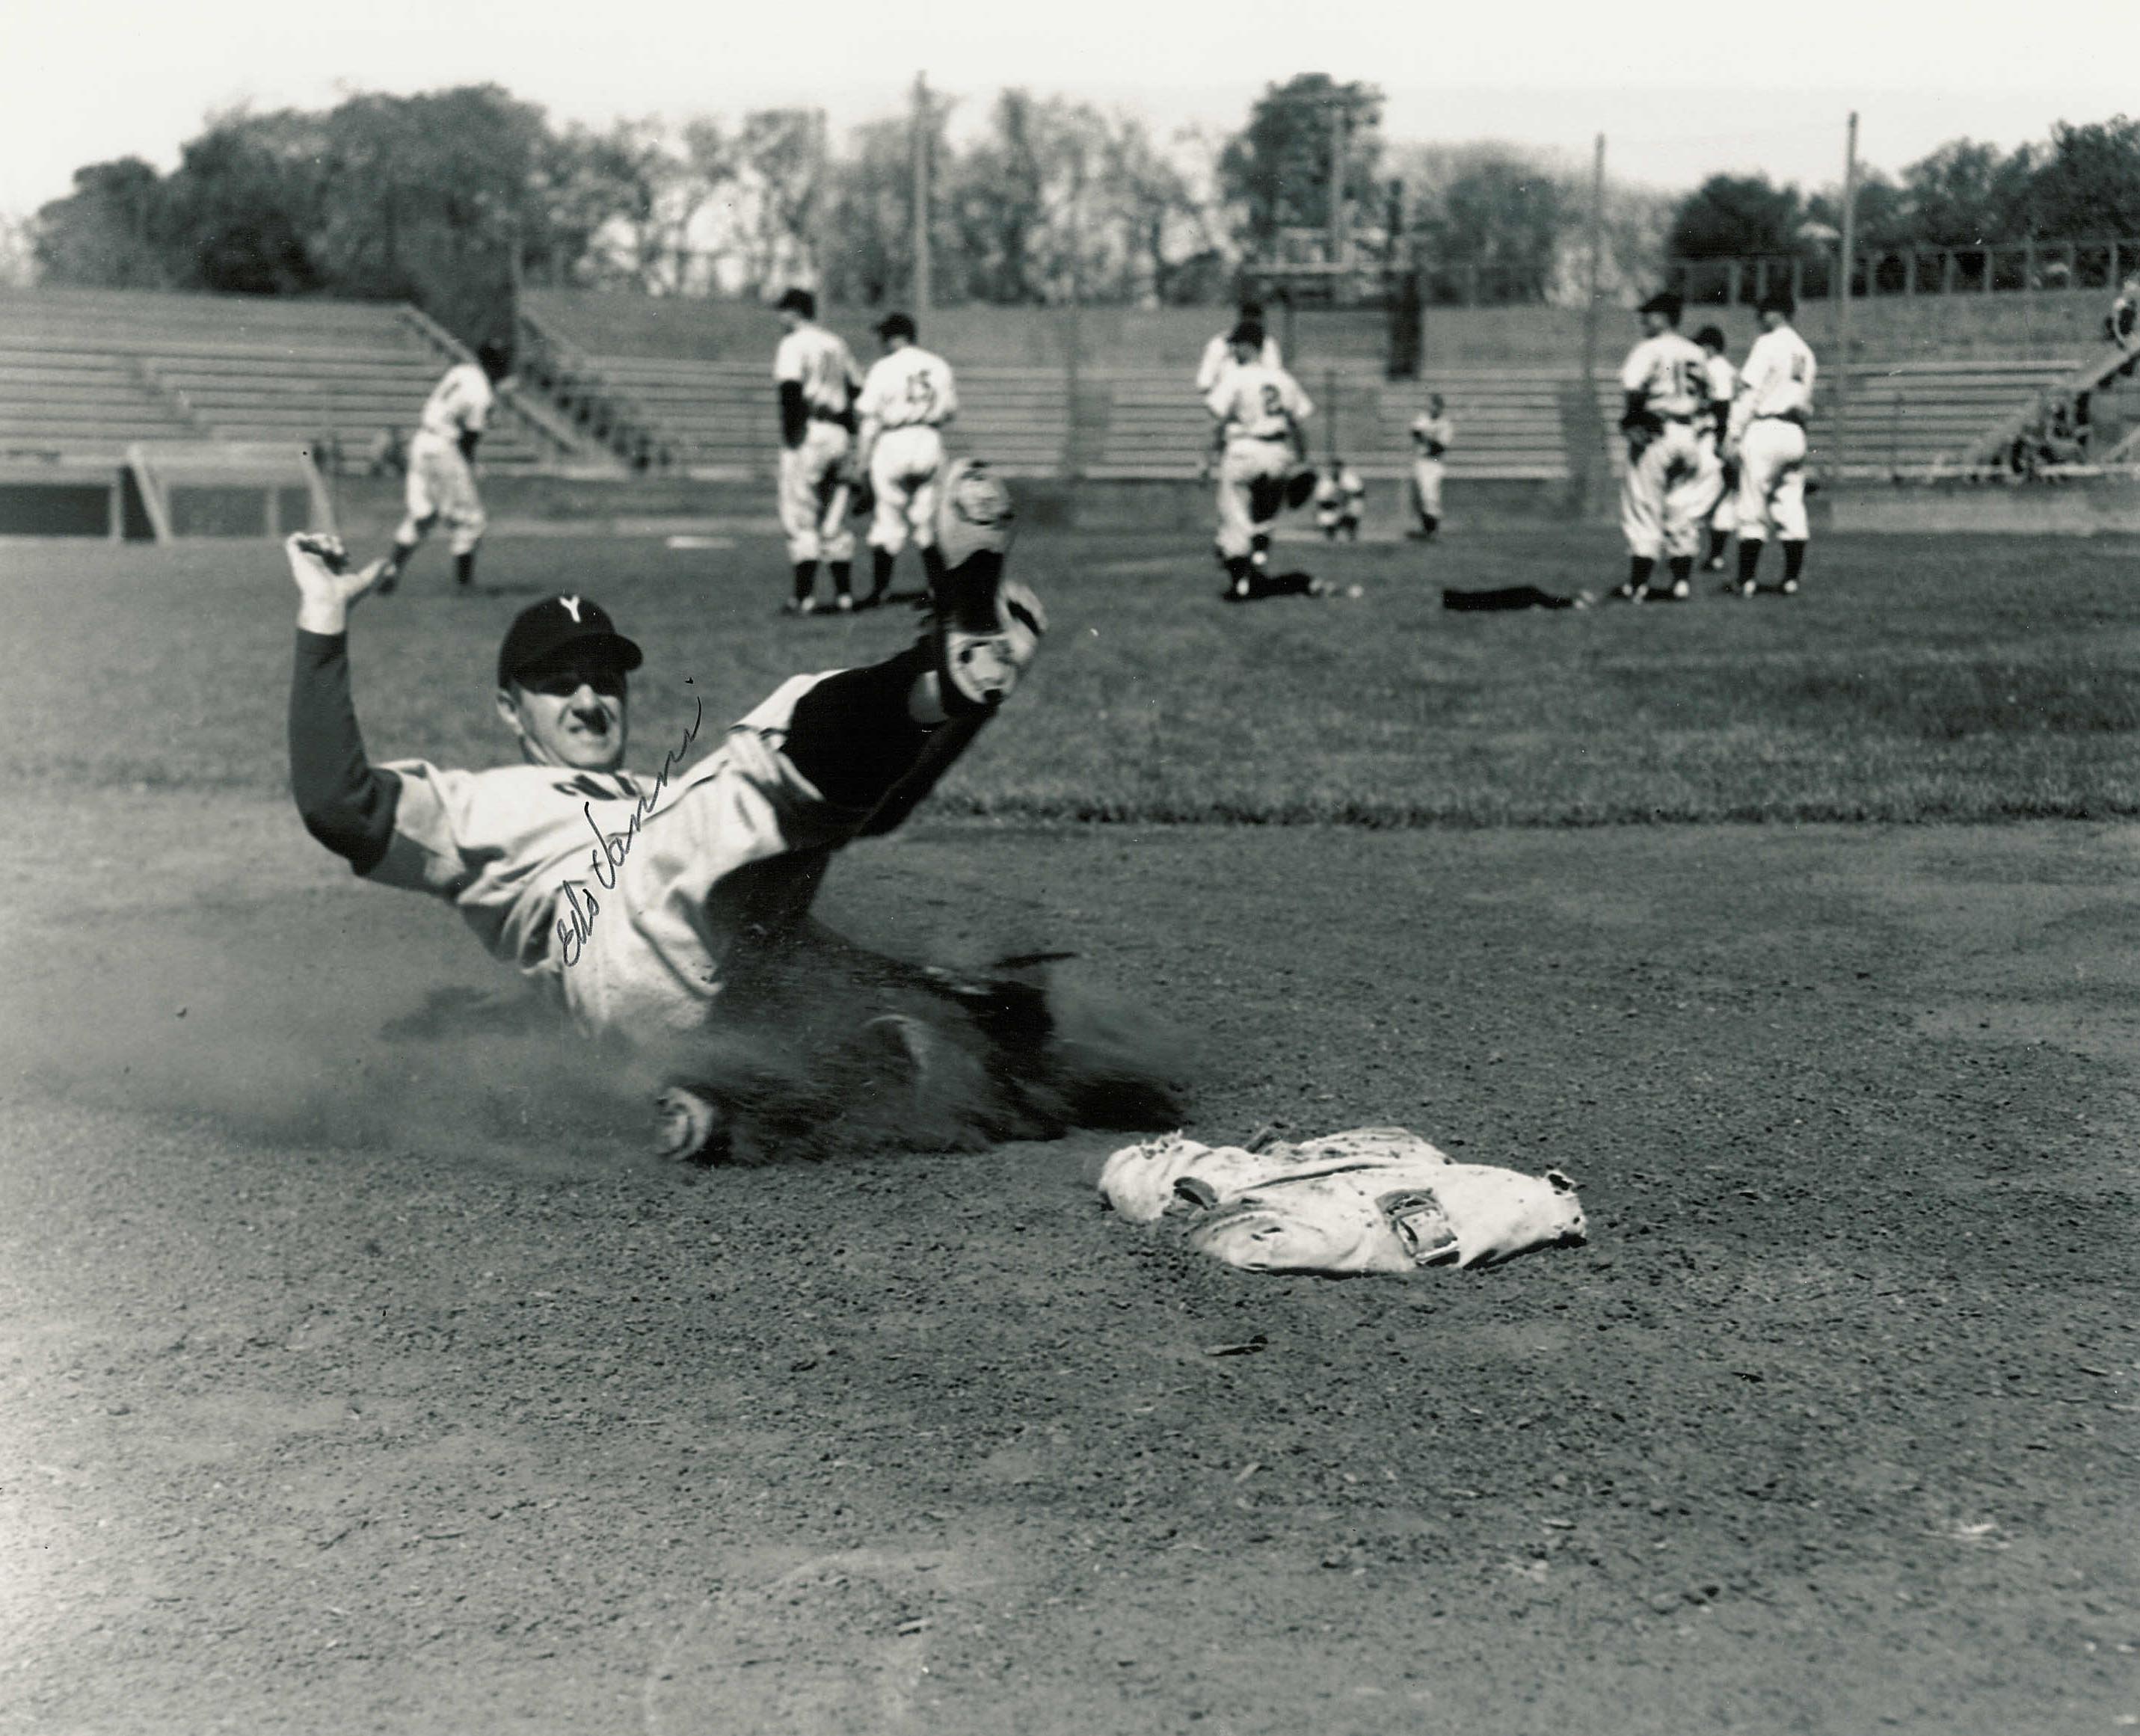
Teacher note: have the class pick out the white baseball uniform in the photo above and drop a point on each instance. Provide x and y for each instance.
(1768, 430)
(1257, 407)
(908, 396)
(1717, 504)
(1219, 357)
(1431, 436)
(1666, 381)
(1338, 499)
(441, 483)
(813, 478)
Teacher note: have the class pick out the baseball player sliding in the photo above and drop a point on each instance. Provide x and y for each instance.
(1257, 411)
(647, 906)
(1665, 381)
(816, 380)
(1766, 437)
(441, 487)
(907, 400)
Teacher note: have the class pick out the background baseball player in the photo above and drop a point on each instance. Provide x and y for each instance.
(440, 485)
(1340, 496)
(1257, 412)
(1767, 437)
(908, 397)
(1431, 436)
(647, 906)
(1219, 354)
(2121, 324)
(1665, 381)
(1718, 503)
(817, 379)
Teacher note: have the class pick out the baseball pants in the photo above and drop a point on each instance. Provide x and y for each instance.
(1772, 480)
(1716, 505)
(1249, 495)
(441, 488)
(1659, 494)
(1427, 486)
(904, 470)
(813, 495)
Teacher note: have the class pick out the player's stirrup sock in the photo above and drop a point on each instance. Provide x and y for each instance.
(1717, 539)
(1428, 523)
(806, 580)
(843, 578)
(465, 569)
(1794, 560)
(881, 560)
(932, 569)
(1749, 558)
(1259, 549)
(1639, 569)
(1682, 568)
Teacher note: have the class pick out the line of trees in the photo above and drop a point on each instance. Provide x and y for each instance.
(444, 197)
(2083, 183)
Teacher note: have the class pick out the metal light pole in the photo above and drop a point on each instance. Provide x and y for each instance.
(1839, 445)
(921, 193)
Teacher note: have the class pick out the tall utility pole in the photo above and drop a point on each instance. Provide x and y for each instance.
(1596, 254)
(1838, 445)
(1341, 118)
(921, 193)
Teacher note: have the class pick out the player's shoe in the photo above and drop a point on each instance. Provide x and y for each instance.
(843, 604)
(799, 605)
(988, 626)
(1790, 587)
(1714, 564)
(1626, 593)
(690, 1127)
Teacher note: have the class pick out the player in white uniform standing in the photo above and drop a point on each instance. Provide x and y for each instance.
(1257, 412)
(651, 907)
(1665, 381)
(1339, 497)
(1767, 438)
(816, 378)
(440, 486)
(1719, 506)
(1219, 354)
(1431, 436)
(907, 400)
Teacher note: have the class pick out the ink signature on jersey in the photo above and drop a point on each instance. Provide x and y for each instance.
(612, 848)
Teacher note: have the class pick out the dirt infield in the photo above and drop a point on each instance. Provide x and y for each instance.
(361, 1377)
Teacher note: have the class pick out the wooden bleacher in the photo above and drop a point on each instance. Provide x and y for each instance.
(98, 368)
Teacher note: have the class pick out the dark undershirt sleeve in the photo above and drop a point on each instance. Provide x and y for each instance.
(346, 802)
(794, 413)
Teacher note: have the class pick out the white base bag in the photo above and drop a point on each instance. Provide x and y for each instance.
(1371, 1199)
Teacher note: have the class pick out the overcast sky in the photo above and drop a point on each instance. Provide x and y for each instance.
(1750, 85)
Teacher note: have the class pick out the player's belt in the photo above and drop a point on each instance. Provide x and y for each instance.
(828, 415)
(1684, 421)
(1796, 417)
(1246, 436)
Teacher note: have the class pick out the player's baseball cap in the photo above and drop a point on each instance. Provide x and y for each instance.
(975, 513)
(1249, 332)
(798, 301)
(1778, 301)
(1664, 302)
(1709, 337)
(542, 629)
(895, 325)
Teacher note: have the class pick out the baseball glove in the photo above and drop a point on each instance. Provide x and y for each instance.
(1299, 486)
(1640, 437)
(861, 497)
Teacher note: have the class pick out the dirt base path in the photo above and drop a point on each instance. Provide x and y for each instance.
(357, 1373)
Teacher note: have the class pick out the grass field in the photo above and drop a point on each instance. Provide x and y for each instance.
(1914, 680)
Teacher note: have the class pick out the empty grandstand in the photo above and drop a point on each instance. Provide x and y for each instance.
(98, 369)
